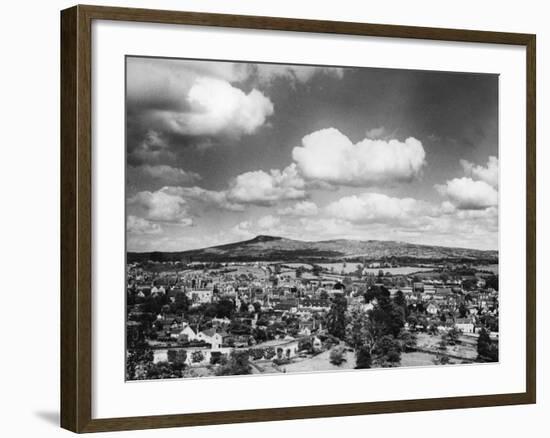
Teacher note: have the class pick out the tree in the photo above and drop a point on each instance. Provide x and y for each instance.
(363, 358)
(492, 282)
(469, 284)
(399, 299)
(408, 340)
(244, 307)
(140, 357)
(237, 364)
(487, 350)
(433, 330)
(490, 322)
(225, 308)
(337, 356)
(336, 318)
(462, 310)
(412, 320)
(453, 336)
(388, 350)
(441, 359)
(181, 303)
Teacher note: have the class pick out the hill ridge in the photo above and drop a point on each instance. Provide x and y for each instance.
(275, 248)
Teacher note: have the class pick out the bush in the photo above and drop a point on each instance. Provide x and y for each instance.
(363, 358)
(177, 356)
(337, 356)
(257, 353)
(236, 364)
(269, 352)
(197, 356)
(215, 358)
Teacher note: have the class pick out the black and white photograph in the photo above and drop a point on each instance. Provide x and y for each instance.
(287, 218)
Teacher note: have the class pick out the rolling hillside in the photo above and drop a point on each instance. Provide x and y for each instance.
(272, 248)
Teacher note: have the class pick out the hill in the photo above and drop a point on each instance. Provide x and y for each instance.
(273, 248)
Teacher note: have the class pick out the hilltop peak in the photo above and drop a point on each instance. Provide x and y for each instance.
(265, 238)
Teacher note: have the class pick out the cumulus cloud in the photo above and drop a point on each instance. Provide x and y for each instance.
(215, 107)
(250, 188)
(488, 173)
(375, 207)
(268, 222)
(375, 132)
(300, 209)
(266, 188)
(162, 206)
(467, 194)
(165, 83)
(213, 198)
(138, 225)
(265, 225)
(330, 156)
(194, 98)
(166, 174)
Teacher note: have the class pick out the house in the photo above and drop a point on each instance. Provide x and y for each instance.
(187, 334)
(317, 344)
(432, 309)
(212, 337)
(158, 290)
(466, 325)
(200, 296)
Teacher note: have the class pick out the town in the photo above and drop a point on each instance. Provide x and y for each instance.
(210, 319)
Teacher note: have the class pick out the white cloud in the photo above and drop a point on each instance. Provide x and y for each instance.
(138, 225)
(489, 173)
(165, 83)
(167, 174)
(210, 197)
(162, 206)
(375, 132)
(195, 98)
(268, 222)
(329, 156)
(467, 194)
(255, 187)
(215, 107)
(376, 207)
(263, 188)
(300, 209)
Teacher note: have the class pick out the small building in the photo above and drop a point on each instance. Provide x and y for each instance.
(466, 325)
(432, 309)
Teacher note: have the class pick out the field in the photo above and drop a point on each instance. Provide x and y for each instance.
(347, 268)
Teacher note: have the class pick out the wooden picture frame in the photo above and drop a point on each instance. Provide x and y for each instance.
(76, 218)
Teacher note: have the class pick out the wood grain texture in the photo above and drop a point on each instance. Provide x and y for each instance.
(76, 222)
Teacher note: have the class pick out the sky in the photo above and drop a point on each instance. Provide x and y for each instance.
(219, 152)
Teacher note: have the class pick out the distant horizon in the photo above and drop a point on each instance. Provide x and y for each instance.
(310, 241)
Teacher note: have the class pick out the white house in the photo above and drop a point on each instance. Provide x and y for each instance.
(466, 325)
(432, 309)
(200, 296)
(158, 290)
(211, 337)
(187, 333)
